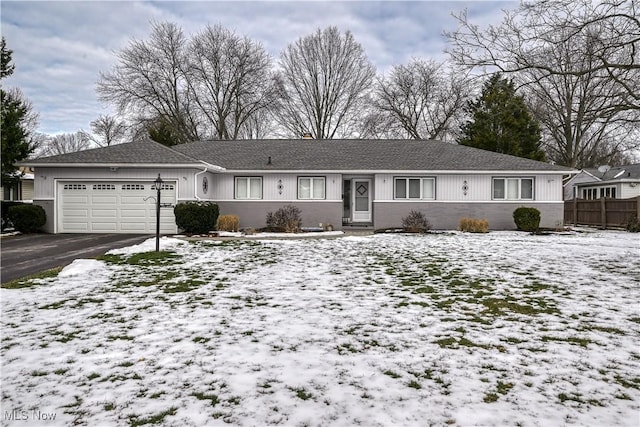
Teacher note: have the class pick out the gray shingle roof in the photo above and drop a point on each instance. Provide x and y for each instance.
(140, 152)
(355, 154)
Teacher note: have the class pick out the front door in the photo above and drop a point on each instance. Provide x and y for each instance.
(361, 200)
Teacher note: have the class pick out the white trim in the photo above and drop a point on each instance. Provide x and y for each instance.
(395, 171)
(542, 202)
(117, 165)
(276, 200)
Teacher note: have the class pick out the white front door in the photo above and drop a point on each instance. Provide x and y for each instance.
(361, 200)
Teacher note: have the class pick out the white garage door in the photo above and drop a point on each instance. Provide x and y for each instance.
(114, 207)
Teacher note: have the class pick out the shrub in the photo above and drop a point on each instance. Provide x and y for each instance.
(229, 223)
(632, 225)
(286, 219)
(416, 222)
(472, 225)
(527, 219)
(27, 218)
(196, 217)
(6, 204)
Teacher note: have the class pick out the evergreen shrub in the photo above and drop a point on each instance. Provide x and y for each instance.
(196, 217)
(527, 219)
(27, 218)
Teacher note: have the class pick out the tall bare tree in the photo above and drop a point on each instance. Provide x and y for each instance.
(107, 130)
(229, 79)
(323, 81)
(577, 60)
(148, 81)
(424, 98)
(64, 143)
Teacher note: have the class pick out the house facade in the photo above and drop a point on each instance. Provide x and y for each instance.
(344, 183)
(21, 190)
(619, 182)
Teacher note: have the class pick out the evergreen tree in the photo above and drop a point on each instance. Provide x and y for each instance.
(501, 122)
(15, 114)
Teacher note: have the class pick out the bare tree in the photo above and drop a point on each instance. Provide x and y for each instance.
(322, 84)
(107, 130)
(149, 81)
(229, 79)
(578, 62)
(65, 143)
(424, 98)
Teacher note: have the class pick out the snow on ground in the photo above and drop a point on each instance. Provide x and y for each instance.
(502, 328)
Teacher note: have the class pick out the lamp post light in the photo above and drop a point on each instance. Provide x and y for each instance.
(158, 183)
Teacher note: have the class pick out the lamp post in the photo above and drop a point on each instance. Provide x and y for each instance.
(158, 183)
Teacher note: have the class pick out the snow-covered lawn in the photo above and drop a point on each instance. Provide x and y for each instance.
(502, 328)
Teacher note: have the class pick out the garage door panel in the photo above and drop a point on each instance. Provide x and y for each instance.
(75, 227)
(113, 207)
(106, 200)
(134, 227)
(104, 213)
(76, 213)
(75, 199)
(109, 227)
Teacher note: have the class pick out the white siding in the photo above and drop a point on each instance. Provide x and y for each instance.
(628, 190)
(449, 187)
(45, 178)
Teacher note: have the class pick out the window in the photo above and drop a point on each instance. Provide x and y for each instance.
(415, 188)
(163, 187)
(249, 187)
(311, 187)
(104, 186)
(75, 187)
(513, 188)
(129, 187)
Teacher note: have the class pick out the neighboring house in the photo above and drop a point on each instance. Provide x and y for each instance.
(372, 183)
(22, 190)
(619, 182)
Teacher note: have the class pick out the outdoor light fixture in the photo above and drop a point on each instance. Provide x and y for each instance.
(158, 183)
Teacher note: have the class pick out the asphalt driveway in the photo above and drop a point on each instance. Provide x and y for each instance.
(27, 254)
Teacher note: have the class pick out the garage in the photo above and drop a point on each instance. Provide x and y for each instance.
(114, 207)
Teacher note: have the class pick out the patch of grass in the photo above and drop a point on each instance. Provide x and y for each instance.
(184, 286)
(109, 406)
(124, 337)
(142, 258)
(93, 376)
(392, 374)
(583, 342)
(125, 364)
(136, 420)
(414, 384)
(61, 371)
(490, 398)
(37, 373)
(28, 281)
(498, 307)
(575, 397)
(628, 382)
(301, 393)
(201, 340)
(54, 305)
(424, 290)
(212, 398)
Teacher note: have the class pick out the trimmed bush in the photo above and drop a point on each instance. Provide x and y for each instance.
(6, 204)
(228, 223)
(196, 217)
(527, 219)
(472, 225)
(416, 222)
(27, 218)
(286, 219)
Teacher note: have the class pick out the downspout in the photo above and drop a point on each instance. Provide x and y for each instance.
(195, 183)
(206, 167)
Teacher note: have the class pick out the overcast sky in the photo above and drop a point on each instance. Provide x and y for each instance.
(59, 48)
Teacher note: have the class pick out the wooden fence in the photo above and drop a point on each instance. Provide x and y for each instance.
(603, 212)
